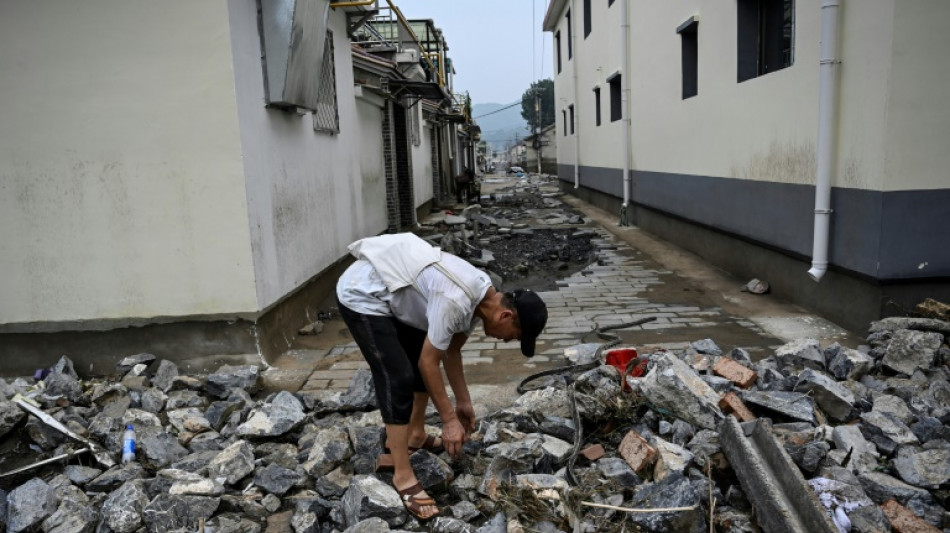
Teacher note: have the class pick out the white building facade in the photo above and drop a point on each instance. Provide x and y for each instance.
(154, 199)
(726, 117)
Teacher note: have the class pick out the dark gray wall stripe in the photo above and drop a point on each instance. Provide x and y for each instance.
(883, 235)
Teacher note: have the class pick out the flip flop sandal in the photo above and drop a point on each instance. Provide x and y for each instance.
(428, 445)
(384, 463)
(414, 504)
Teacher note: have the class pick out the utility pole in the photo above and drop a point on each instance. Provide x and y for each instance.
(537, 124)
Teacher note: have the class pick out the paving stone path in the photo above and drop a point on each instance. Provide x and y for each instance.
(609, 292)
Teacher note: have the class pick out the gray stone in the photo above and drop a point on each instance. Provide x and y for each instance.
(431, 471)
(10, 415)
(140, 418)
(218, 413)
(157, 448)
(717, 383)
(671, 458)
(127, 363)
(582, 354)
(196, 461)
(869, 519)
(361, 393)
(115, 477)
(276, 479)
(177, 514)
(29, 504)
(74, 514)
(881, 487)
(847, 363)
(675, 387)
(497, 524)
(334, 484)
(165, 375)
(891, 324)
(272, 504)
(706, 346)
(64, 366)
(548, 401)
(180, 399)
(81, 475)
(556, 448)
(465, 510)
(801, 353)
(930, 428)
(791, 404)
(153, 400)
(330, 448)
(501, 471)
(704, 447)
(367, 497)
(618, 472)
(836, 401)
(937, 399)
(595, 391)
(928, 468)
(227, 377)
(282, 414)
(808, 456)
(372, 524)
(674, 491)
(894, 406)
(910, 350)
(189, 419)
(122, 510)
(233, 523)
(233, 463)
(190, 484)
(278, 453)
(885, 431)
(62, 384)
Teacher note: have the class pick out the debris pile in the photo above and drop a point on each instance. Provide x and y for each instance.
(866, 428)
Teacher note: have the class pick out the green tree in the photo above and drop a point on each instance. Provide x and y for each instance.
(546, 89)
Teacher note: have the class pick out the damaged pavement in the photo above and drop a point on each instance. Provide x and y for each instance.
(684, 437)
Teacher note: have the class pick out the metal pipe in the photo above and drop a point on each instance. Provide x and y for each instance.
(624, 103)
(353, 4)
(827, 113)
(577, 130)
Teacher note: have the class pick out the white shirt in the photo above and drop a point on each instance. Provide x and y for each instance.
(434, 303)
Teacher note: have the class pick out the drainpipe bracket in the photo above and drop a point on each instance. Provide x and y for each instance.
(824, 211)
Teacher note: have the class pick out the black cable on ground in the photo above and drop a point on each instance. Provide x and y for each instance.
(612, 340)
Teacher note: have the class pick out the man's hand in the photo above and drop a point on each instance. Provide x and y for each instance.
(466, 416)
(453, 436)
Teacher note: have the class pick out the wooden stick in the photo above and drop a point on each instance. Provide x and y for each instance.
(629, 510)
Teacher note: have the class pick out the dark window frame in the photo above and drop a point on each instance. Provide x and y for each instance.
(765, 37)
(616, 97)
(597, 106)
(587, 18)
(689, 45)
(564, 117)
(570, 112)
(557, 44)
(570, 36)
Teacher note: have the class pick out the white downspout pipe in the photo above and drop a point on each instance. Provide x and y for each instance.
(624, 113)
(574, 125)
(827, 113)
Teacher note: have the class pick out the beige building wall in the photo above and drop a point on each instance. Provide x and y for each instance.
(121, 163)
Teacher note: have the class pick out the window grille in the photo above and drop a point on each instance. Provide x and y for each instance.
(326, 117)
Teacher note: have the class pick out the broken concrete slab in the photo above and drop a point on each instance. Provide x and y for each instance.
(910, 350)
(673, 386)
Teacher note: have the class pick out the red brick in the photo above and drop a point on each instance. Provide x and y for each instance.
(734, 372)
(593, 452)
(638, 454)
(730, 403)
(903, 520)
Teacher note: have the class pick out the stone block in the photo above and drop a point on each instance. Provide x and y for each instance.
(637, 452)
(903, 519)
(730, 403)
(743, 377)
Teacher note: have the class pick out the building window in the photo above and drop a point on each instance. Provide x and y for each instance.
(765, 38)
(689, 44)
(570, 33)
(415, 123)
(326, 119)
(610, 3)
(564, 116)
(557, 45)
(587, 21)
(570, 112)
(597, 105)
(616, 107)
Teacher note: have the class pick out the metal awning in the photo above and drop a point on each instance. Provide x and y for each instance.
(429, 90)
(452, 117)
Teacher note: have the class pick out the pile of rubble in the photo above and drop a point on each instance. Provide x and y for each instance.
(660, 450)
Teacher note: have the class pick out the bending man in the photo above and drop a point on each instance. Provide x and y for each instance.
(410, 308)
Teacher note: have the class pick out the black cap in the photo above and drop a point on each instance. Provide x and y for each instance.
(532, 315)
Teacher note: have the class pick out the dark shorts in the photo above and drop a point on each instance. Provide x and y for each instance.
(392, 350)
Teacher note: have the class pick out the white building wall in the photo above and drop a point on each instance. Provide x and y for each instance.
(421, 160)
(304, 189)
(121, 184)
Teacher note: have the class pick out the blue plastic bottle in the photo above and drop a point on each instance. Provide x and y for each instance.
(128, 444)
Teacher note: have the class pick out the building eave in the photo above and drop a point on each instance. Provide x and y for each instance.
(553, 14)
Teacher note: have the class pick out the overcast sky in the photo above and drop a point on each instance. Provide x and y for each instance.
(498, 46)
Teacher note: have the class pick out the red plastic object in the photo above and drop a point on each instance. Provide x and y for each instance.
(621, 357)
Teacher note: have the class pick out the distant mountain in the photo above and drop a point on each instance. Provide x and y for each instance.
(501, 128)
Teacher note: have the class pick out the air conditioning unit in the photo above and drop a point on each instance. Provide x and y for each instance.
(293, 38)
